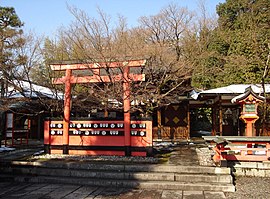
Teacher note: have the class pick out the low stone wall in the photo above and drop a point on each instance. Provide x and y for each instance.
(254, 169)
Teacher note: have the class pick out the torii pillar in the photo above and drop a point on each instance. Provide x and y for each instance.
(66, 118)
(126, 104)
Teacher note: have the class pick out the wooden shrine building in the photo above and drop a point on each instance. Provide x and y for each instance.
(226, 108)
(23, 109)
(209, 112)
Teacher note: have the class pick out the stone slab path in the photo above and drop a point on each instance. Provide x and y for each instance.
(184, 155)
(17, 190)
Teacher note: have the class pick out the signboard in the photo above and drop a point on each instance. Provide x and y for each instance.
(9, 120)
(250, 108)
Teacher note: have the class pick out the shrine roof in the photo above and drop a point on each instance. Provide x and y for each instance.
(244, 95)
(20, 89)
(237, 89)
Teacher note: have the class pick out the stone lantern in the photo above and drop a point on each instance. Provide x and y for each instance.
(249, 103)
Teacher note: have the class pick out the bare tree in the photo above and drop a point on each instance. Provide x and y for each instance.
(159, 40)
(168, 71)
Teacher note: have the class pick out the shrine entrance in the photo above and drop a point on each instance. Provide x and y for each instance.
(112, 137)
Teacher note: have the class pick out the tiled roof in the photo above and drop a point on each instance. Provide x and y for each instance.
(237, 89)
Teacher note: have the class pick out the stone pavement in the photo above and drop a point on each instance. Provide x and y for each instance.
(184, 155)
(12, 190)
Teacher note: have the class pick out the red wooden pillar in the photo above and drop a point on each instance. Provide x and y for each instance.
(66, 119)
(126, 102)
(249, 129)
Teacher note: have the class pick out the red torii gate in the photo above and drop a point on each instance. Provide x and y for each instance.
(126, 77)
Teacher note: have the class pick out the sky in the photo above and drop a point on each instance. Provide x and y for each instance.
(44, 17)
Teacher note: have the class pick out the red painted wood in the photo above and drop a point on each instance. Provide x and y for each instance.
(96, 78)
(109, 153)
(46, 132)
(67, 107)
(126, 103)
(96, 140)
(91, 140)
(132, 63)
(126, 77)
(244, 154)
(142, 154)
(56, 151)
(56, 140)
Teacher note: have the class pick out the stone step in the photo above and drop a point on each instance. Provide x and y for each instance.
(126, 167)
(123, 175)
(145, 176)
(6, 177)
(168, 185)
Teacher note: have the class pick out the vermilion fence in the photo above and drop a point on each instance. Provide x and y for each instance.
(97, 137)
(243, 153)
(240, 148)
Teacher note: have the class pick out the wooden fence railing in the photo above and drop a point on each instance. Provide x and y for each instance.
(170, 133)
(239, 148)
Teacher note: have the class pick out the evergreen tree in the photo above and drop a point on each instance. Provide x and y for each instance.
(238, 49)
(10, 41)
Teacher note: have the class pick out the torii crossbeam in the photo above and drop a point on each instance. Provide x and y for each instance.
(126, 77)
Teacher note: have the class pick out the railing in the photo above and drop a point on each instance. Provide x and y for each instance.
(17, 137)
(170, 133)
(236, 148)
(97, 137)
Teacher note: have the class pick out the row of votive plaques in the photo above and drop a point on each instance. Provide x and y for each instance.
(98, 125)
(141, 133)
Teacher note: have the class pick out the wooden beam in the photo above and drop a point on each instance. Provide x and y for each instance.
(132, 63)
(96, 79)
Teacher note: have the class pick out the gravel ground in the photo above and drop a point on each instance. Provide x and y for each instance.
(250, 187)
(101, 158)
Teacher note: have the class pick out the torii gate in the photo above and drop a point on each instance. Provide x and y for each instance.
(69, 79)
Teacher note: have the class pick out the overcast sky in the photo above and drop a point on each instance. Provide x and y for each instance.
(45, 16)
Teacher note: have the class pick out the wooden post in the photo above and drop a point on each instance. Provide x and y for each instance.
(213, 132)
(268, 150)
(220, 120)
(126, 102)
(39, 127)
(249, 129)
(159, 124)
(106, 113)
(66, 120)
(188, 122)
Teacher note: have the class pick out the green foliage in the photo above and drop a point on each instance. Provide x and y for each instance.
(11, 41)
(239, 44)
(9, 18)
